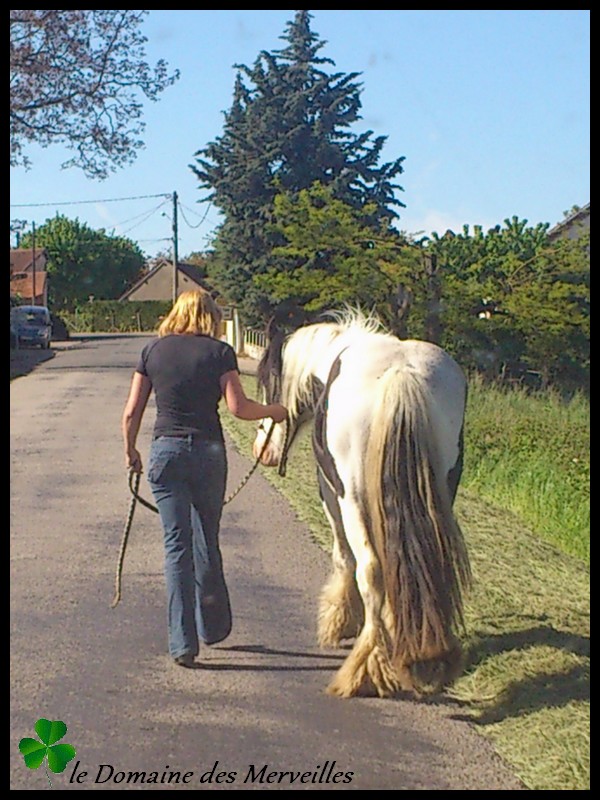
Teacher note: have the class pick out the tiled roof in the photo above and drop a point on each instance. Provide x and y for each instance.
(24, 286)
(21, 259)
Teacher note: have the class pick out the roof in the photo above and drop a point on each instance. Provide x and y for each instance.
(24, 286)
(191, 271)
(21, 259)
(572, 219)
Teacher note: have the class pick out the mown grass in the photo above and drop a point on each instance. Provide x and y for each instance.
(526, 680)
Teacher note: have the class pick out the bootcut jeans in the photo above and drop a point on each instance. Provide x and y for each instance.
(187, 476)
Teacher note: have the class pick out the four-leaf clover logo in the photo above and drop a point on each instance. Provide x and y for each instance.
(57, 755)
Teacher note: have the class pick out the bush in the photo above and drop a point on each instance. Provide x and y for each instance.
(116, 316)
(60, 332)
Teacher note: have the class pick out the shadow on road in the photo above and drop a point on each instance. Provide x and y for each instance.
(26, 359)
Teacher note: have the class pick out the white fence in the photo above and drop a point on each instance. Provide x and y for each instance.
(255, 343)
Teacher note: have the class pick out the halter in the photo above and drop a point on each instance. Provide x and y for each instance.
(134, 478)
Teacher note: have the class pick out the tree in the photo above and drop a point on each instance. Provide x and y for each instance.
(548, 303)
(291, 126)
(332, 256)
(75, 79)
(513, 303)
(83, 262)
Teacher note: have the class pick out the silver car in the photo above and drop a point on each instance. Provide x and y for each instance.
(31, 325)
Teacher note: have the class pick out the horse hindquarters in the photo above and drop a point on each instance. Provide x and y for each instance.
(419, 544)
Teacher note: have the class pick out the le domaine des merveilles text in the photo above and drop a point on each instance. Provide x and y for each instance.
(107, 774)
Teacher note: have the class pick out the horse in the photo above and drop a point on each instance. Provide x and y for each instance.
(388, 419)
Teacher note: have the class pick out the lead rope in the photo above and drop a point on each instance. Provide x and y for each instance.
(134, 477)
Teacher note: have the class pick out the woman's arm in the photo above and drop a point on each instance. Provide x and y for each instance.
(132, 418)
(244, 408)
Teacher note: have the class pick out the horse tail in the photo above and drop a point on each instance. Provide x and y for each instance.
(419, 544)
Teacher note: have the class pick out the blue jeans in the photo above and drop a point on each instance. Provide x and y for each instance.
(188, 478)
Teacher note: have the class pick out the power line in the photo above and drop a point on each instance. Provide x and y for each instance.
(82, 202)
(147, 216)
(193, 212)
(142, 214)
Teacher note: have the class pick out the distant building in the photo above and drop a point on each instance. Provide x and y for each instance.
(157, 284)
(573, 226)
(29, 281)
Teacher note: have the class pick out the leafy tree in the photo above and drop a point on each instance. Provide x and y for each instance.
(548, 303)
(512, 303)
(84, 262)
(289, 126)
(334, 256)
(75, 79)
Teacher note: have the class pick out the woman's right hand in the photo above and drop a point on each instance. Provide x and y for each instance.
(133, 460)
(277, 412)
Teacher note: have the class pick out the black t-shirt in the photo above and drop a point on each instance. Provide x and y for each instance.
(184, 370)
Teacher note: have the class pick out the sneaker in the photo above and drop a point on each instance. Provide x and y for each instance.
(186, 660)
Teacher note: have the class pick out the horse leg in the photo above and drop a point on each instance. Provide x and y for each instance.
(340, 607)
(368, 669)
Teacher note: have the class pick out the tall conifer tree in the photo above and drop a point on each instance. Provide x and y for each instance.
(290, 124)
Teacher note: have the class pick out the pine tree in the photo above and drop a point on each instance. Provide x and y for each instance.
(291, 126)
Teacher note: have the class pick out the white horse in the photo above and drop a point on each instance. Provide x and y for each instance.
(388, 440)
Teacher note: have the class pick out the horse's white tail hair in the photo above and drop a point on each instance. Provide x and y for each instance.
(421, 550)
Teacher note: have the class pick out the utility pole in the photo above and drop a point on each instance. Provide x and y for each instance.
(175, 249)
(33, 272)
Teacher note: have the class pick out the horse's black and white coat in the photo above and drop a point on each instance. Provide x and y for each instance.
(387, 437)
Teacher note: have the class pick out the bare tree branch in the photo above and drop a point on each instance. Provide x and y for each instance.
(79, 78)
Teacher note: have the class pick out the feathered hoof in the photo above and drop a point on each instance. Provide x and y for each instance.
(369, 676)
(336, 623)
(431, 676)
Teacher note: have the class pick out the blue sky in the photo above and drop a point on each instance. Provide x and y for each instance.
(491, 110)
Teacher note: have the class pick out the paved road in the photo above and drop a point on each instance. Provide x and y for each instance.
(256, 705)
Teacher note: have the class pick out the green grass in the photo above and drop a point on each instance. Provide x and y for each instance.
(531, 454)
(526, 681)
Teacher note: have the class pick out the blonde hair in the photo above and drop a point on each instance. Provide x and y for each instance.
(194, 312)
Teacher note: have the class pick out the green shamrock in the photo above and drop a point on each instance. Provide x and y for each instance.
(57, 755)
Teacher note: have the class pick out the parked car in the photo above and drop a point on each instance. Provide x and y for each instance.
(31, 325)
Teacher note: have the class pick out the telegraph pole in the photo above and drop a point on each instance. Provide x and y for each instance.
(175, 249)
(33, 272)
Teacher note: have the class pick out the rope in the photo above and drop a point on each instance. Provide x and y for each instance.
(134, 477)
(134, 492)
(254, 466)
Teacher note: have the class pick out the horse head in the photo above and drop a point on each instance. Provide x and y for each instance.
(273, 441)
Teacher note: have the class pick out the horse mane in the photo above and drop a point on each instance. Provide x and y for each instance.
(302, 350)
(356, 318)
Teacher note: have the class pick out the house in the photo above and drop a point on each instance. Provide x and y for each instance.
(28, 276)
(573, 226)
(157, 284)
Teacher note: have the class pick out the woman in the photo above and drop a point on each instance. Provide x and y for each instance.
(190, 369)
